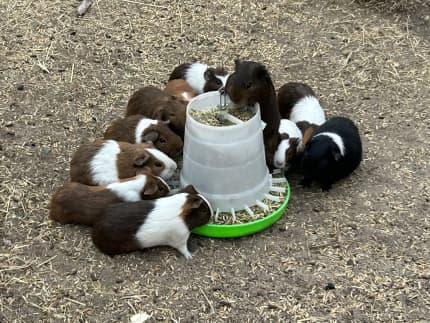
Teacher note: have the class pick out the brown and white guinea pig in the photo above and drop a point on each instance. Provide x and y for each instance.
(251, 83)
(180, 89)
(139, 129)
(154, 103)
(82, 204)
(201, 77)
(129, 227)
(103, 162)
(298, 102)
(333, 152)
(290, 143)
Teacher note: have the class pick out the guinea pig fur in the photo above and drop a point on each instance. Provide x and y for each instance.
(201, 77)
(138, 129)
(180, 89)
(333, 152)
(129, 227)
(103, 162)
(290, 141)
(81, 204)
(154, 103)
(251, 83)
(298, 102)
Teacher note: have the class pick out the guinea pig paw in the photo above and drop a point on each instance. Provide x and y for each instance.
(186, 253)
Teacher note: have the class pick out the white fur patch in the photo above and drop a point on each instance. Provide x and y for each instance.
(308, 109)
(103, 167)
(129, 191)
(169, 164)
(290, 128)
(337, 140)
(141, 126)
(164, 226)
(195, 76)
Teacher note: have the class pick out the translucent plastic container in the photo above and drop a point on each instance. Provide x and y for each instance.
(225, 164)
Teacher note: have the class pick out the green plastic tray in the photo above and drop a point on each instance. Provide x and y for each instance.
(244, 229)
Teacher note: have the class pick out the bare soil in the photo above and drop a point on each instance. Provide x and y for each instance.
(65, 78)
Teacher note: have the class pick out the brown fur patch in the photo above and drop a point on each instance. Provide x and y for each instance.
(156, 104)
(195, 212)
(289, 94)
(80, 204)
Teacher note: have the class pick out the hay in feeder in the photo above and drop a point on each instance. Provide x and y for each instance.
(218, 116)
(243, 216)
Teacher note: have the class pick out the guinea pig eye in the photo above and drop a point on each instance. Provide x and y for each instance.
(248, 85)
(158, 164)
(218, 81)
(162, 140)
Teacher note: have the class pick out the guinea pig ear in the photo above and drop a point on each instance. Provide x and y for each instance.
(150, 136)
(237, 62)
(194, 201)
(260, 72)
(189, 189)
(150, 188)
(306, 137)
(162, 114)
(140, 160)
(209, 74)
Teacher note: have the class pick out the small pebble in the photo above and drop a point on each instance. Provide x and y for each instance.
(20, 87)
(329, 286)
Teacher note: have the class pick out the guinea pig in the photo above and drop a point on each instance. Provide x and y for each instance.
(82, 204)
(290, 140)
(103, 162)
(251, 83)
(154, 103)
(181, 90)
(201, 77)
(129, 227)
(333, 152)
(138, 129)
(298, 102)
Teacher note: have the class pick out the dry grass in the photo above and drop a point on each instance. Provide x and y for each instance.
(65, 78)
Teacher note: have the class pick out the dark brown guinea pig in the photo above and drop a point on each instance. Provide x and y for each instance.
(81, 204)
(154, 103)
(128, 227)
(138, 129)
(103, 162)
(251, 83)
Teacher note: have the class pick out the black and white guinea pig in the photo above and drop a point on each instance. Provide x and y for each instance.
(290, 144)
(82, 204)
(168, 221)
(298, 102)
(201, 77)
(333, 152)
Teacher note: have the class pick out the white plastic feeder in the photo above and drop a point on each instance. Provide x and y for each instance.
(226, 164)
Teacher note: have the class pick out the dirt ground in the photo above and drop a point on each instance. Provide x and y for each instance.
(64, 79)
